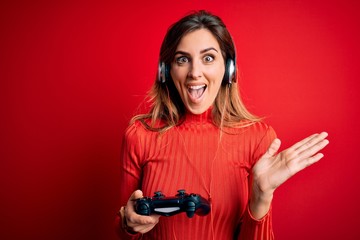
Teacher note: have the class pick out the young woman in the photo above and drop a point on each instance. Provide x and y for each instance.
(199, 136)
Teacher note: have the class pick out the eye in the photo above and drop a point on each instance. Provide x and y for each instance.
(208, 58)
(182, 59)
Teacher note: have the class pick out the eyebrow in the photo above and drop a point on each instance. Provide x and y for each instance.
(202, 51)
(208, 49)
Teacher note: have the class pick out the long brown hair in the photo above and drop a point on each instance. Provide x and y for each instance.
(167, 109)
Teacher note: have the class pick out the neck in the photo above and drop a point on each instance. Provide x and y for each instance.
(199, 118)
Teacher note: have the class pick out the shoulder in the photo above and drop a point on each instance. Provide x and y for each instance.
(257, 135)
(261, 129)
(264, 133)
(142, 130)
(255, 129)
(261, 135)
(135, 130)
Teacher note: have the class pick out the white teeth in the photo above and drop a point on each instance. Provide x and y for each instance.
(197, 87)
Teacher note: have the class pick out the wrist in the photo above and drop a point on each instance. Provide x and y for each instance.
(260, 204)
(263, 197)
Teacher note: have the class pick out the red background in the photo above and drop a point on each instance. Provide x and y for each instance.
(73, 72)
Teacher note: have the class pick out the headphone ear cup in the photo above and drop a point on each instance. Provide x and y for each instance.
(163, 72)
(230, 70)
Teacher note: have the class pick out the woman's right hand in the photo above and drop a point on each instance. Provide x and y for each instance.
(135, 222)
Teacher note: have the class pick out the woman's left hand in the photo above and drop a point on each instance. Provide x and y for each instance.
(273, 169)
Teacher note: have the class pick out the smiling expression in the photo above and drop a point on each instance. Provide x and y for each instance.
(197, 70)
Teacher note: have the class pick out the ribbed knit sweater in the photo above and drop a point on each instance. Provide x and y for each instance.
(198, 157)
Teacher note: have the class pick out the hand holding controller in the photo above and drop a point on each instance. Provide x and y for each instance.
(169, 206)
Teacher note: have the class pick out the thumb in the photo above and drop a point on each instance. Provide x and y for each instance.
(135, 195)
(274, 147)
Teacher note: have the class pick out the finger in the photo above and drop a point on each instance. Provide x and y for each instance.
(310, 161)
(135, 220)
(274, 147)
(143, 228)
(310, 152)
(313, 141)
(314, 159)
(310, 141)
(135, 195)
(147, 227)
(312, 149)
(303, 141)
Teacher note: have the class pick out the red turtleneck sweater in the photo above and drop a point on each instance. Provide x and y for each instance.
(193, 156)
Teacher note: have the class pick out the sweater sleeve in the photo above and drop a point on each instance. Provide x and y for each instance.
(130, 174)
(251, 228)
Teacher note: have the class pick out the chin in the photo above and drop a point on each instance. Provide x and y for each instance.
(198, 111)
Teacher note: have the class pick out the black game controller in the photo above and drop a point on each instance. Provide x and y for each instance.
(169, 206)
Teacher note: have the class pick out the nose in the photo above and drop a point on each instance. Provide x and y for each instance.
(195, 70)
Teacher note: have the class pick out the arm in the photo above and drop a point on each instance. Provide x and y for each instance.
(258, 227)
(130, 225)
(270, 172)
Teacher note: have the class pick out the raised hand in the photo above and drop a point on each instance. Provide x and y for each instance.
(135, 222)
(273, 169)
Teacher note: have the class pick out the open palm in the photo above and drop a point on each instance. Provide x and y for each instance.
(273, 169)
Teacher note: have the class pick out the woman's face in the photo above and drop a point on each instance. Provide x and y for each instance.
(197, 70)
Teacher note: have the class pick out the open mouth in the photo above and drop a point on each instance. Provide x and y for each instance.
(196, 91)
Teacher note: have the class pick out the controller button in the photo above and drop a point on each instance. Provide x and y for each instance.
(190, 204)
(181, 192)
(143, 207)
(158, 194)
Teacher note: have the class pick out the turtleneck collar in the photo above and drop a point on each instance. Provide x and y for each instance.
(199, 118)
